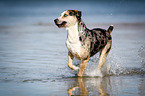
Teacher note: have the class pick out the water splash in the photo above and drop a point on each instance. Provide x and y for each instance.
(112, 66)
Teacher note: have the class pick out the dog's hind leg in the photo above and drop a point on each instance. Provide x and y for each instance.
(104, 53)
(70, 65)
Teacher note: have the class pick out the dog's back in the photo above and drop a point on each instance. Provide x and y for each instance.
(98, 38)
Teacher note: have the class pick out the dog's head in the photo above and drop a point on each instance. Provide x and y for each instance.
(68, 18)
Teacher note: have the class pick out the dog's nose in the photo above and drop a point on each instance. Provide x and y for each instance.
(55, 20)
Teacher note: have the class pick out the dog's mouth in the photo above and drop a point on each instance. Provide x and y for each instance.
(59, 23)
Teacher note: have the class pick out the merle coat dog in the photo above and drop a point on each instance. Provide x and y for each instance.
(82, 42)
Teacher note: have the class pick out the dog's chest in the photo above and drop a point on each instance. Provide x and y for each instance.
(74, 48)
(73, 43)
(78, 48)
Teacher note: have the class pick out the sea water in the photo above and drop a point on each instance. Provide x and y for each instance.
(33, 54)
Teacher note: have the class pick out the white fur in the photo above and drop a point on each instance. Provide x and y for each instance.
(73, 43)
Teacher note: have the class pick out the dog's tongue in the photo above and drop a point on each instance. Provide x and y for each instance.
(59, 22)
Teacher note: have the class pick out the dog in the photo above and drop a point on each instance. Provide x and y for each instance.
(82, 42)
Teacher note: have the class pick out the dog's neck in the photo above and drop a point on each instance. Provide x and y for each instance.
(73, 34)
(75, 31)
(81, 28)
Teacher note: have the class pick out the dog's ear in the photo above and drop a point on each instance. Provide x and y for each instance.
(78, 15)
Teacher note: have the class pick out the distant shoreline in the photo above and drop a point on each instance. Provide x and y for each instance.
(89, 24)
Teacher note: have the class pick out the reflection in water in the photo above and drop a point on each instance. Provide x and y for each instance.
(142, 87)
(81, 85)
(85, 84)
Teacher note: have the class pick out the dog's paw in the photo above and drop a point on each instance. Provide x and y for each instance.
(76, 68)
(80, 75)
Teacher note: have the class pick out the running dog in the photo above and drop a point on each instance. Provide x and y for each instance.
(82, 42)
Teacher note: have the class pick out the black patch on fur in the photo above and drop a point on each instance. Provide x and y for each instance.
(80, 38)
(102, 42)
(78, 15)
(109, 38)
(101, 47)
(71, 13)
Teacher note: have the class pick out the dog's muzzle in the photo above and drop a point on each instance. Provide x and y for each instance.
(60, 23)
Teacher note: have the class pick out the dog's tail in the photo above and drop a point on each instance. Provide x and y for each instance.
(110, 29)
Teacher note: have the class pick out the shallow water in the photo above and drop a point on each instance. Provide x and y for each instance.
(33, 55)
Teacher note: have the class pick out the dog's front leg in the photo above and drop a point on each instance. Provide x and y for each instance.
(83, 66)
(70, 65)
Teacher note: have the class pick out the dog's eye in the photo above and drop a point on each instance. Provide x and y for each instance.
(65, 15)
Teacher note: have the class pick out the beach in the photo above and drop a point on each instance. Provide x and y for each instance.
(34, 56)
